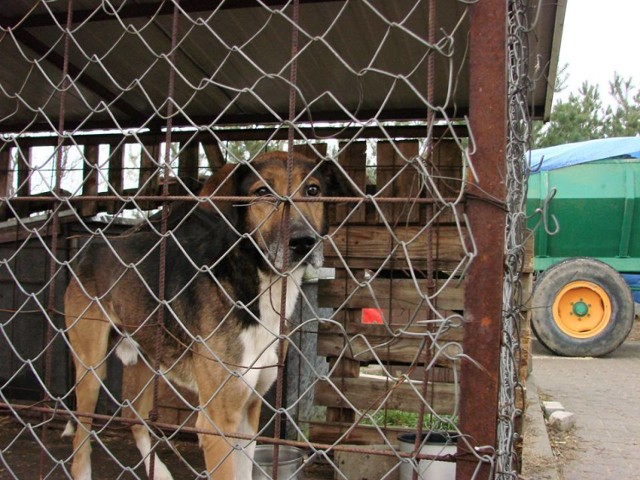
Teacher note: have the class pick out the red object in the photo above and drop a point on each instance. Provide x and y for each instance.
(372, 316)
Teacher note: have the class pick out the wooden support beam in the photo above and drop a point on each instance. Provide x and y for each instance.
(24, 180)
(189, 161)
(90, 179)
(115, 175)
(5, 180)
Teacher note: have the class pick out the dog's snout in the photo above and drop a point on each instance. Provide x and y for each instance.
(302, 244)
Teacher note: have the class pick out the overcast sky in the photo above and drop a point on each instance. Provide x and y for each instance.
(600, 37)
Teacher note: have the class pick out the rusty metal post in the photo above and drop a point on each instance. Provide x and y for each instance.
(483, 297)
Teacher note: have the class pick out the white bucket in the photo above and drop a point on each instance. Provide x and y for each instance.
(432, 444)
(289, 461)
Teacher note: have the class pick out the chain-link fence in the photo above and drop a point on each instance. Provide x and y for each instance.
(279, 237)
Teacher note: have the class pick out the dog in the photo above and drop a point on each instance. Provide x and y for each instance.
(225, 267)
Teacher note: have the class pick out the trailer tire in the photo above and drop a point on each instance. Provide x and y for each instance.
(582, 307)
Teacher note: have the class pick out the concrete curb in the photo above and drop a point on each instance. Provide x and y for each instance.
(538, 461)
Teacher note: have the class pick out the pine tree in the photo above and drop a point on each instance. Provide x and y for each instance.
(583, 117)
(625, 119)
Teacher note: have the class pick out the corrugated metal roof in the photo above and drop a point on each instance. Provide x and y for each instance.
(233, 58)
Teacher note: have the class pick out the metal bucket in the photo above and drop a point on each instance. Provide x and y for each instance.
(289, 461)
(433, 444)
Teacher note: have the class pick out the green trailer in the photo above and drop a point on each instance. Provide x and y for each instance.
(583, 208)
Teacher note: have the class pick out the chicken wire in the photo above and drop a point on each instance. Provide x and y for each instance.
(511, 402)
(115, 125)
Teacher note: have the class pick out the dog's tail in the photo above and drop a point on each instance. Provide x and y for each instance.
(127, 351)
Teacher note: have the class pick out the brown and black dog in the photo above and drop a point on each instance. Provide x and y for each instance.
(224, 267)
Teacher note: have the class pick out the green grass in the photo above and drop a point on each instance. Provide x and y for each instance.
(398, 418)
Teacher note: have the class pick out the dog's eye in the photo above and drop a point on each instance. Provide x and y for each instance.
(313, 190)
(262, 192)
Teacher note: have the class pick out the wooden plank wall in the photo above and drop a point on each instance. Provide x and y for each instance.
(382, 255)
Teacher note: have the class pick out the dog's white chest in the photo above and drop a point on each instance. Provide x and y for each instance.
(260, 342)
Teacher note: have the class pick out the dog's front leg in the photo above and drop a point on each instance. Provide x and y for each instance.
(216, 446)
(249, 427)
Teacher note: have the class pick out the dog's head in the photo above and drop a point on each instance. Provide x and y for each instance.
(267, 183)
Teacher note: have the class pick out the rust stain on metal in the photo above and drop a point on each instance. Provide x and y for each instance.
(488, 119)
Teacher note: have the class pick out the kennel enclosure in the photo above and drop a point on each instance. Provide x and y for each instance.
(111, 109)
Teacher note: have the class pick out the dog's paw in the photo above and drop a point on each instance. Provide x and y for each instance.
(160, 470)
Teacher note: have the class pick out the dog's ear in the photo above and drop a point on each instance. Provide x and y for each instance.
(338, 184)
(223, 183)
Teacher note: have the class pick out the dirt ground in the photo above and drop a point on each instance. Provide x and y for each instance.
(26, 455)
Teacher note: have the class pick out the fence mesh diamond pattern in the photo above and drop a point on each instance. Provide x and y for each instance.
(240, 231)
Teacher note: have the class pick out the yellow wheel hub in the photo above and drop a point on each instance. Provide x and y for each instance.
(582, 309)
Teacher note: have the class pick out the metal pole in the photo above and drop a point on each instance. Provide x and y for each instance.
(483, 297)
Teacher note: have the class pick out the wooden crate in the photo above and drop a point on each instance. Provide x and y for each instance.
(403, 259)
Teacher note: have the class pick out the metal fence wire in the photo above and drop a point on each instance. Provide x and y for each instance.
(265, 237)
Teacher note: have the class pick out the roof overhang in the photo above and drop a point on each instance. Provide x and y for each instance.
(356, 60)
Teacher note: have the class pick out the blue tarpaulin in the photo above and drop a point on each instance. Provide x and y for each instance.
(634, 283)
(569, 154)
